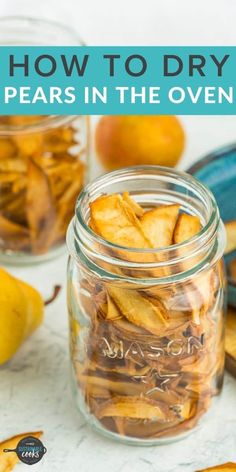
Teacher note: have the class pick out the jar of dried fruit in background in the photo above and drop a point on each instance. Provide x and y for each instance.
(146, 303)
(42, 162)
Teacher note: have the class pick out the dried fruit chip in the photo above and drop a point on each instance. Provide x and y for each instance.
(114, 220)
(187, 226)
(230, 340)
(227, 467)
(139, 310)
(10, 459)
(16, 235)
(158, 225)
(132, 407)
(138, 210)
(232, 269)
(230, 227)
(40, 208)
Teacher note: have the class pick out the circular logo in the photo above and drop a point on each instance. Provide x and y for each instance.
(30, 450)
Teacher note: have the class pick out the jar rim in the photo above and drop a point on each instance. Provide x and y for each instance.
(83, 232)
(126, 170)
(22, 24)
(23, 20)
(41, 125)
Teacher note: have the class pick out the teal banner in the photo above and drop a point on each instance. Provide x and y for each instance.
(117, 80)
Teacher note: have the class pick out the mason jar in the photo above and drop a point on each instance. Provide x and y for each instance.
(136, 378)
(43, 162)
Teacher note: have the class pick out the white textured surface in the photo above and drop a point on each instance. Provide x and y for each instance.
(35, 392)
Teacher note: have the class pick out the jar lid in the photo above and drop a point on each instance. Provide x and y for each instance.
(217, 170)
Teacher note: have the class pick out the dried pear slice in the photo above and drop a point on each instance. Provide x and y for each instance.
(232, 269)
(94, 384)
(227, 467)
(17, 236)
(187, 226)
(132, 407)
(13, 165)
(200, 292)
(41, 212)
(7, 148)
(230, 341)
(201, 295)
(183, 426)
(159, 224)
(138, 310)
(112, 311)
(230, 227)
(138, 210)
(29, 144)
(201, 367)
(10, 459)
(115, 221)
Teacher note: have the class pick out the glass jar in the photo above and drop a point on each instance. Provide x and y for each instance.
(42, 162)
(134, 378)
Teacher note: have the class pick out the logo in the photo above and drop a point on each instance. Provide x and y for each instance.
(29, 450)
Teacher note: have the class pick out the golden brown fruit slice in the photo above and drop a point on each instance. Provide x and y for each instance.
(8, 460)
(114, 220)
(230, 227)
(158, 225)
(227, 467)
(131, 407)
(7, 148)
(138, 210)
(139, 310)
(187, 226)
(230, 341)
(112, 311)
(200, 291)
(232, 269)
(17, 236)
(40, 208)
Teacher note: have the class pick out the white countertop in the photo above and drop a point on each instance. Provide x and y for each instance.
(35, 390)
(35, 394)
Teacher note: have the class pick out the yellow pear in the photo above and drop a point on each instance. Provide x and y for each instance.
(22, 310)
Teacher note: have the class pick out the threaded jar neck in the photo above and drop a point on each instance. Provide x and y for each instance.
(150, 186)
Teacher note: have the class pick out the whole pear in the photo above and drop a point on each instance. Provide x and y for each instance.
(22, 311)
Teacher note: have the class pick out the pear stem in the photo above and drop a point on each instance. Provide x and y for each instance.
(56, 291)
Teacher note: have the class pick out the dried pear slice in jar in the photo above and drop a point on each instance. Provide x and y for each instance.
(230, 227)
(232, 270)
(113, 312)
(139, 310)
(17, 236)
(41, 212)
(138, 210)
(98, 386)
(187, 226)
(159, 224)
(115, 221)
(132, 407)
(199, 293)
(230, 341)
(7, 148)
